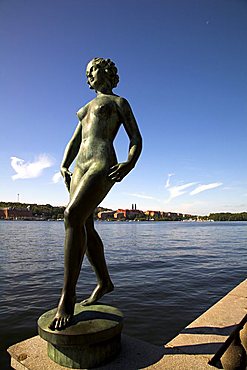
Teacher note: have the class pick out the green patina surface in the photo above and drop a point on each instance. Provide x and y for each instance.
(92, 339)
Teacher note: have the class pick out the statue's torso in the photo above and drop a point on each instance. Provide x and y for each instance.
(101, 119)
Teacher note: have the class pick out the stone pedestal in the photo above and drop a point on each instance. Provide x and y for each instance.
(92, 339)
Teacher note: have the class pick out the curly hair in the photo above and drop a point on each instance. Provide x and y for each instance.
(109, 66)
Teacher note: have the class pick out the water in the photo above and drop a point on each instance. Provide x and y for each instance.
(165, 273)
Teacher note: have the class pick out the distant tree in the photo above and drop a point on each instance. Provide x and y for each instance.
(227, 216)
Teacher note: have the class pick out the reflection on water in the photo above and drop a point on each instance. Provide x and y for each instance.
(165, 273)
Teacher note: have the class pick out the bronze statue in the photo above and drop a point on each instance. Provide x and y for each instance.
(95, 172)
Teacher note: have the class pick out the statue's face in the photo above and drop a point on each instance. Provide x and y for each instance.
(95, 75)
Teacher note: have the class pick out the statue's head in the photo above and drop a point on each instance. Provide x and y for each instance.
(107, 67)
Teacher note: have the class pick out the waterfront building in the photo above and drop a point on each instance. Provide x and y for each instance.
(104, 215)
(12, 213)
(128, 214)
(153, 214)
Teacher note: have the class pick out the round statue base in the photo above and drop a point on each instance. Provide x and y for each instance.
(92, 339)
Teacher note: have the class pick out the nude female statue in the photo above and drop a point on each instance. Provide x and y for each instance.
(95, 172)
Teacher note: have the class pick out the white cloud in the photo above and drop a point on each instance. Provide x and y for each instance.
(28, 170)
(176, 191)
(168, 179)
(201, 188)
(57, 177)
(227, 188)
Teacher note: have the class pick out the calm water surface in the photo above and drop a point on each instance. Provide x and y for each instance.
(165, 273)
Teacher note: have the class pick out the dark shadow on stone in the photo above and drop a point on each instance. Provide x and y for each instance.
(135, 354)
(226, 330)
(94, 315)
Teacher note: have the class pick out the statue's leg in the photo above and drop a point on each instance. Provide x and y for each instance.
(96, 257)
(86, 193)
(74, 250)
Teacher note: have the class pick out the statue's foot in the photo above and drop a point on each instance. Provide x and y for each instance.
(65, 312)
(99, 291)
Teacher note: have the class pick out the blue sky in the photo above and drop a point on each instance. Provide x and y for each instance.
(182, 67)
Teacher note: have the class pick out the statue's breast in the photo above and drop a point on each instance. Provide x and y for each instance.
(102, 119)
(102, 110)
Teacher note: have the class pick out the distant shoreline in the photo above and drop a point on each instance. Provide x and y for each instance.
(46, 212)
(122, 221)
